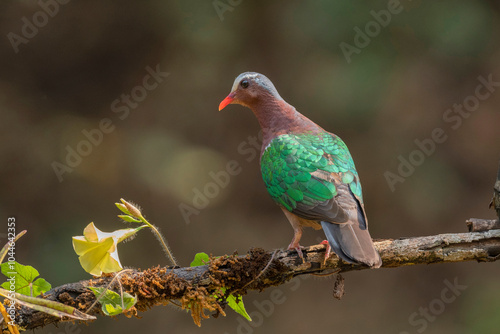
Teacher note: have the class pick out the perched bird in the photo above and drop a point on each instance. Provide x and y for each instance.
(308, 172)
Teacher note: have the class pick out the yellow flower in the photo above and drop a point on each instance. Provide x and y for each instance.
(98, 251)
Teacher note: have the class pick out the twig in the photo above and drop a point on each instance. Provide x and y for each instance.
(479, 225)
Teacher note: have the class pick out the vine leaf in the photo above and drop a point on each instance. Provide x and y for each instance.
(112, 303)
(200, 259)
(238, 306)
(22, 279)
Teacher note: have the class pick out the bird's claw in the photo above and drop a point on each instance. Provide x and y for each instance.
(297, 248)
(328, 251)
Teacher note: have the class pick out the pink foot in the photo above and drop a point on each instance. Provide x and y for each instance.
(328, 250)
(298, 248)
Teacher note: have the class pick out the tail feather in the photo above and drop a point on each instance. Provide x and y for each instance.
(352, 243)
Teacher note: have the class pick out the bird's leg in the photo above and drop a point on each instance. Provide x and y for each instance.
(297, 233)
(328, 250)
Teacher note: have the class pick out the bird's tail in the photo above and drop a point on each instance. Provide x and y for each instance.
(352, 243)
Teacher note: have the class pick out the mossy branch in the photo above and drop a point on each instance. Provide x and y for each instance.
(259, 270)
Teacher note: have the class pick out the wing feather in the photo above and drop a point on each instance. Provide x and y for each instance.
(312, 176)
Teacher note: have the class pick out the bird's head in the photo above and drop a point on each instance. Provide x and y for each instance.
(249, 89)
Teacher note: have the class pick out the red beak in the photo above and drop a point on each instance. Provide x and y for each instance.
(226, 101)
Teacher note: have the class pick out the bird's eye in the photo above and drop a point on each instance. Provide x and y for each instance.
(244, 84)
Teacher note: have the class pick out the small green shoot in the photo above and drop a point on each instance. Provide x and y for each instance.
(48, 306)
(132, 214)
(200, 259)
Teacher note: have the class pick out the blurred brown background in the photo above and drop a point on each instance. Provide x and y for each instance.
(66, 75)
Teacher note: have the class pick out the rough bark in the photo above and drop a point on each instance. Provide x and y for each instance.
(259, 270)
(478, 225)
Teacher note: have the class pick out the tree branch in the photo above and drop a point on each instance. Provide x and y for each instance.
(195, 286)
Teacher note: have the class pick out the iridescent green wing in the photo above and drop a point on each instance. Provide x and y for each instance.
(341, 163)
(310, 175)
